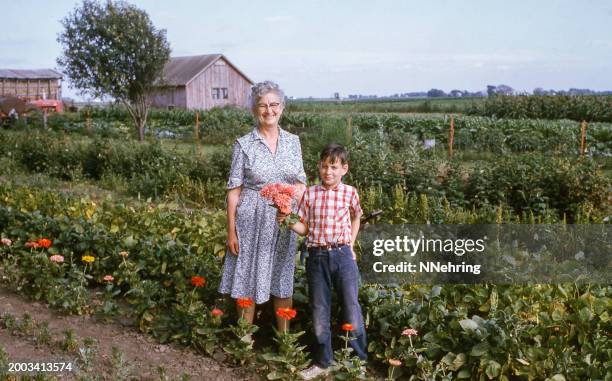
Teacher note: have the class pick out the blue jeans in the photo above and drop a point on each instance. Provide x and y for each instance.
(324, 269)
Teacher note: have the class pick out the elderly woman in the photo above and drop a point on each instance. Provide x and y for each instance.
(260, 258)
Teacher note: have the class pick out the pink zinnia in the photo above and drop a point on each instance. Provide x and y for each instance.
(108, 278)
(283, 202)
(6, 242)
(394, 362)
(56, 258)
(269, 191)
(410, 332)
(31, 245)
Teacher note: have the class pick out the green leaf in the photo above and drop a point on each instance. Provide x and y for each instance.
(493, 369)
(275, 375)
(459, 361)
(479, 349)
(585, 314)
(464, 373)
(556, 377)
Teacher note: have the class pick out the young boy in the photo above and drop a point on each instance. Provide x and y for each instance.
(330, 214)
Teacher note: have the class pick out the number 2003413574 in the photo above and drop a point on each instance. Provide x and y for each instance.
(22, 367)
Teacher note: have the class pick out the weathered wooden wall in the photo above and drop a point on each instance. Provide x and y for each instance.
(31, 89)
(219, 75)
(172, 97)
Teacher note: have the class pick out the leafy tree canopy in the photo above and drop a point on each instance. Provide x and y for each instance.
(113, 49)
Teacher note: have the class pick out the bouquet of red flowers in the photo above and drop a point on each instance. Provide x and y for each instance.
(281, 196)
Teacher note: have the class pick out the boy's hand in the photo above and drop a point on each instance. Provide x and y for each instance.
(353, 252)
(280, 216)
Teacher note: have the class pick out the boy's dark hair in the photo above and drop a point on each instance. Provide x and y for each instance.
(334, 152)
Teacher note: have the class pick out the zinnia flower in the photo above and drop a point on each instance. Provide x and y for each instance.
(88, 258)
(286, 313)
(198, 281)
(283, 202)
(56, 258)
(394, 362)
(31, 245)
(347, 327)
(108, 278)
(280, 195)
(44, 242)
(124, 254)
(244, 302)
(410, 332)
(6, 242)
(216, 312)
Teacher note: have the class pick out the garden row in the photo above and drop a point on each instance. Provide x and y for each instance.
(578, 108)
(165, 265)
(589, 108)
(221, 126)
(533, 182)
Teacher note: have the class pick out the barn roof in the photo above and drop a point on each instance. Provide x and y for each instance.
(30, 74)
(179, 71)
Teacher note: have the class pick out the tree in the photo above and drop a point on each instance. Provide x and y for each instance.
(491, 90)
(504, 90)
(113, 49)
(435, 93)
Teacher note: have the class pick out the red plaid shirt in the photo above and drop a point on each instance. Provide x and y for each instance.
(328, 213)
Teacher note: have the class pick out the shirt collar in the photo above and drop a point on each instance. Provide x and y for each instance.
(335, 189)
(255, 135)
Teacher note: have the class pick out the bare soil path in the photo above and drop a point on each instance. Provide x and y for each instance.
(141, 354)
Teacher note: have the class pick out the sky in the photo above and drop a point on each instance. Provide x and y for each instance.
(316, 48)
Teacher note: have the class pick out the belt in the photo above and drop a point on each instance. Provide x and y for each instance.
(328, 246)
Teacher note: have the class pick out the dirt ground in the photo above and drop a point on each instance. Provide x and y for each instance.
(142, 354)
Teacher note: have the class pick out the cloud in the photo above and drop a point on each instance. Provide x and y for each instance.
(275, 19)
(12, 61)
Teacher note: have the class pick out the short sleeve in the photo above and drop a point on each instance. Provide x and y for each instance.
(236, 174)
(303, 207)
(355, 204)
(301, 177)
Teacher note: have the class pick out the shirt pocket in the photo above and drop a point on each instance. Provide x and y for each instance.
(342, 212)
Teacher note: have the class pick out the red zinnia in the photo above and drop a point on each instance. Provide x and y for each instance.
(347, 327)
(216, 312)
(286, 313)
(198, 281)
(244, 302)
(44, 242)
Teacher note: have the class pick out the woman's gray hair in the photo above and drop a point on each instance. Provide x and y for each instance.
(262, 88)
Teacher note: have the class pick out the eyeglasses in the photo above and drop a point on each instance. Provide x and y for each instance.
(272, 106)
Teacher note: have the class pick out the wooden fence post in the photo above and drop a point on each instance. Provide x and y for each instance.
(583, 130)
(88, 122)
(349, 129)
(451, 138)
(196, 131)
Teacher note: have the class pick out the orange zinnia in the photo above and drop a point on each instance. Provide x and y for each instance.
(44, 242)
(244, 302)
(198, 281)
(347, 327)
(286, 313)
